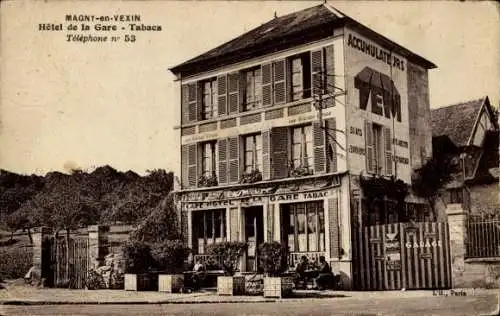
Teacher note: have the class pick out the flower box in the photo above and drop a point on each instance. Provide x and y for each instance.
(231, 285)
(170, 283)
(141, 282)
(278, 286)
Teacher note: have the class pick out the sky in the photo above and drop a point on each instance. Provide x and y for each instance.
(67, 105)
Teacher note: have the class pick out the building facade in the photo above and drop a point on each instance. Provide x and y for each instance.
(279, 124)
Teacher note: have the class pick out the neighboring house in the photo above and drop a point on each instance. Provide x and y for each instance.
(468, 132)
(278, 125)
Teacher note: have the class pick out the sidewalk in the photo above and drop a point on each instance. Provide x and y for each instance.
(27, 295)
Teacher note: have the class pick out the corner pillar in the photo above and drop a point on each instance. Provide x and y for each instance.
(41, 255)
(457, 218)
(98, 244)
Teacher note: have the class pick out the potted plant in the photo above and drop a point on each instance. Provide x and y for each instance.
(252, 176)
(273, 260)
(300, 170)
(138, 262)
(169, 257)
(230, 253)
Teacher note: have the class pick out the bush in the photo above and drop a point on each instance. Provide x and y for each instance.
(273, 258)
(15, 262)
(137, 257)
(169, 256)
(229, 253)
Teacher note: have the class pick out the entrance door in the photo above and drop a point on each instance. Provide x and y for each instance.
(254, 235)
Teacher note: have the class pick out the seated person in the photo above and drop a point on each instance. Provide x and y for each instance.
(325, 275)
(199, 274)
(300, 270)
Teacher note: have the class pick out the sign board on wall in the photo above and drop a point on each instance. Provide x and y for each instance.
(377, 92)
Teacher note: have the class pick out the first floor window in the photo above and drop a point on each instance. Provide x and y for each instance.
(300, 76)
(253, 152)
(208, 162)
(304, 226)
(209, 226)
(302, 147)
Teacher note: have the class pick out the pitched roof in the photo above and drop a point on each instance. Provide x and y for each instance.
(456, 121)
(285, 32)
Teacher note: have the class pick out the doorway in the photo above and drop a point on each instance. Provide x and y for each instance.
(254, 235)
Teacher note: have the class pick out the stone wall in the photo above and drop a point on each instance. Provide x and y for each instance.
(485, 199)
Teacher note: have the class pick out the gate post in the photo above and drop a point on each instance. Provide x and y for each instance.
(98, 245)
(457, 218)
(41, 261)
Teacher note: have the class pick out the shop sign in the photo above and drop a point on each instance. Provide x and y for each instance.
(392, 248)
(208, 204)
(299, 196)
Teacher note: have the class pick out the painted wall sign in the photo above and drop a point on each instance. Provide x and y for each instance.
(399, 142)
(380, 89)
(356, 150)
(375, 51)
(356, 131)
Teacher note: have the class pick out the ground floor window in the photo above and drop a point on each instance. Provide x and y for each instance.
(209, 226)
(304, 226)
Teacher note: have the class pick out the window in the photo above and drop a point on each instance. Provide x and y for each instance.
(302, 147)
(300, 76)
(305, 226)
(209, 226)
(378, 149)
(209, 110)
(253, 152)
(253, 92)
(208, 159)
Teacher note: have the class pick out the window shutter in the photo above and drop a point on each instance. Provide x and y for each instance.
(369, 153)
(279, 152)
(329, 75)
(319, 148)
(185, 103)
(222, 94)
(333, 219)
(222, 177)
(279, 81)
(192, 99)
(388, 151)
(233, 93)
(266, 85)
(242, 91)
(184, 166)
(234, 161)
(316, 72)
(331, 126)
(266, 161)
(192, 160)
(288, 80)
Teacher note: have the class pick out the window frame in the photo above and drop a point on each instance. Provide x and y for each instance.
(209, 111)
(210, 170)
(306, 142)
(255, 151)
(256, 91)
(295, 228)
(205, 222)
(305, 80)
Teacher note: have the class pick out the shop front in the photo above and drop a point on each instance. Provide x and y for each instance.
(304, 214)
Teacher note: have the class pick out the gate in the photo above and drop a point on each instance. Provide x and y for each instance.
(401, 255)
(69, 262)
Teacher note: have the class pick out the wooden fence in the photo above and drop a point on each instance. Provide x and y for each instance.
(69, 262)
(401, 255)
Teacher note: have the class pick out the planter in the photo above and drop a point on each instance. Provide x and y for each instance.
(170, 283)
(231, 285)
(141, 282)
(278, 286)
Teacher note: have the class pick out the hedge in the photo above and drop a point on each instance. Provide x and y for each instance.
(15, 262)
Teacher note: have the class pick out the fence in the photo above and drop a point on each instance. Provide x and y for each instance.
(69, 262)
(401, 255)
(483, 237)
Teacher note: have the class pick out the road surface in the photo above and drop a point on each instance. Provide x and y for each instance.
(468, 305)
